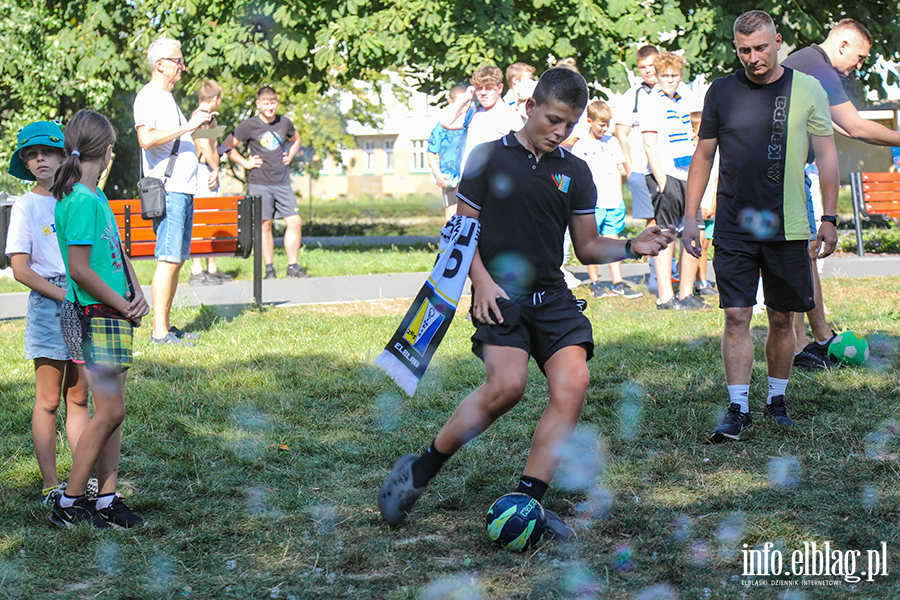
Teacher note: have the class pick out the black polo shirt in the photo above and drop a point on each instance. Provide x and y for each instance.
(525, 207)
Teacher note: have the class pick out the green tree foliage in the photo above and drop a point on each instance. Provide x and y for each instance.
(61, 56)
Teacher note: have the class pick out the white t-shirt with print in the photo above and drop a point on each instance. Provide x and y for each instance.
(156, 108)
(32, 230)
(603, 156)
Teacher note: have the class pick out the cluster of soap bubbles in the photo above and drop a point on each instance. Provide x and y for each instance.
(631, 410)
(460, 587)
(762, 224)
(882, 444)
(583, 460)
(784, 471)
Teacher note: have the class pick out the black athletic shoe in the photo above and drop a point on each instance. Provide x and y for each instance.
(810, 361)
(777, 411)
(705, 288)
(119, 516)
(81, 512)
(204, 278)
(626, 291)
(556, 528)
(693, 303)
(673, 304)
(732, 425)
(270, 272)
(296, 271)
(398, 494)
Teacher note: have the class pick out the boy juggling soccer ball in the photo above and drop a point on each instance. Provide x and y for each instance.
(525, 190)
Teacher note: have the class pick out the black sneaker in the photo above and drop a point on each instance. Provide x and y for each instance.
(777, 411)
(270, 272)
(204, 278)
(81, 512)
(119, 516)
(625, 290)
(398, 494)
(810, 361)
(673, 304)
(556, 528)
(296, 271)
(693, 303)
(598, 290)
(732, 425)
(221, 276)
(183, 335)
(705, 288)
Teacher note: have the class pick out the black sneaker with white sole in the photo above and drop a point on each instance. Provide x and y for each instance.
(398, 494)
(777, 411)
(557, 529)
(82, 511)
(626, 291)
(732, 425)
(119, 516)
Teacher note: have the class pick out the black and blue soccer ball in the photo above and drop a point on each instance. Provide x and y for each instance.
(516, 522)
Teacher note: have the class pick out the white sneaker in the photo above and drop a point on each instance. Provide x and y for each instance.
(572, 282)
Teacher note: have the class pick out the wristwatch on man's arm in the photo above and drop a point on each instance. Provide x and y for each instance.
(830, 219)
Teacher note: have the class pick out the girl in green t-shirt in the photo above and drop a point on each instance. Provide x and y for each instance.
(97, 320)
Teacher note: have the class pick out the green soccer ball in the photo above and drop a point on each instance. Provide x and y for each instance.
(849, 348)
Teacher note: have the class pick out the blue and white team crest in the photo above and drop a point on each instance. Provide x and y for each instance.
(423, 327)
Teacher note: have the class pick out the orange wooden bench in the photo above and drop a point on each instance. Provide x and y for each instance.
(223, 226)
(875, 195)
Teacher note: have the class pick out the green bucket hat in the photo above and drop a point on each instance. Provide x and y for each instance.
(40, 133)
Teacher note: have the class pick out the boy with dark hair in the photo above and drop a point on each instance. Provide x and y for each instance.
(525, 190)
(266, 135)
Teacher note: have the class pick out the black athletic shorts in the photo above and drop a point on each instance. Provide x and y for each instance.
(785, 267)
(668, 206)
(541, 325)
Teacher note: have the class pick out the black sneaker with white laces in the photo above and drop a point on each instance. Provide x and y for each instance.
(82, 511)
(732, 425)
(814, 356)
(557, 529)
(777, 411)
(119, 516)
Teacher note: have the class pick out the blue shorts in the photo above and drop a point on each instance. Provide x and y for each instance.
(43, 330)
(610, 221)
(173, 232)
(641, 205)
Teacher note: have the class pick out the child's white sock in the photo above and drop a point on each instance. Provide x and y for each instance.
(105, 500)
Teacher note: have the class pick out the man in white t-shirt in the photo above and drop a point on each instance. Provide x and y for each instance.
(160, 124)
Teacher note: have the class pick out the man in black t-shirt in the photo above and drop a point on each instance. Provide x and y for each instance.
(267, 136)
(842, 53)
(525, 190)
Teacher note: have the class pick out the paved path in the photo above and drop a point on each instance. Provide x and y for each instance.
(329, 290)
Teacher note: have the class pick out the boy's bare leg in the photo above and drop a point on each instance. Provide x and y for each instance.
(292, 235)
(663, 266)
(779, 344)
(507, 373)
(567, 377)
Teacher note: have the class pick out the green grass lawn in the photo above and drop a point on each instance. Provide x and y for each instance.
(256, 457)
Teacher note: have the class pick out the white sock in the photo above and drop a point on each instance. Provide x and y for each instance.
(66, 501)
(738, 394)
(776, 388)
(104, 501)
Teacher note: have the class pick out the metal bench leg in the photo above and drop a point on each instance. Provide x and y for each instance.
(256, 202)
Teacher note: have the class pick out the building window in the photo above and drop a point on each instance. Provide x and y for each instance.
(418, 162)
(369, 161)
(389, 155)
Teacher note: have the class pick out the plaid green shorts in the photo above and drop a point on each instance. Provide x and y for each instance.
(108, 339)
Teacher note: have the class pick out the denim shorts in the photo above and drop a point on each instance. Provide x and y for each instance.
(173, 232)
(610, 221)
(43, 332)
(641, 205)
